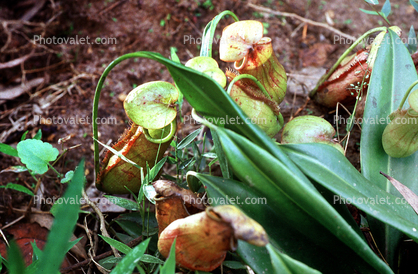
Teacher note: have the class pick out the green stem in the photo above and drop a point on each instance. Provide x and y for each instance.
(96, 106)
(209, 32)
(51, 167)
(407, 94)
(33, 176)
(56, 160)
(97, 97)
(358, 41)
(378, 13)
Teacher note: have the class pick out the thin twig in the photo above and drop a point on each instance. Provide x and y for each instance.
(14, 92)
(112, 7)
(302, 107)
(45, 68)
(33, 210)
(292, 15)
(13, 222)
(98, 257)
(33, 11)
(15, 62)
(9, 36)
(102, 220)
(194, 27)
(4, 237)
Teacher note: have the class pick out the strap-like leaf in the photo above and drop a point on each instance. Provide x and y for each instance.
(290, 229)
(395, 73)
(63, 226)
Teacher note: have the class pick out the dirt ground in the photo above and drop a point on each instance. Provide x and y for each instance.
(48, 80)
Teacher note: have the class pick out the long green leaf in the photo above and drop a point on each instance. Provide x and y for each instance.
(253, 164)
(16, 264)
(414, 4)
(290, 230)
(412, 40)
(18, 187)
(386, 9)
(9, 150)
(209, 32)
(372, 12)
(123, 202)
(223, 163)
(146, 258)
(127, 264)
(169, 266)
(63, 226)
(116, 244)
(37, 253)
(285, 264)
(188, 139)
(332, 170)
(394, 73)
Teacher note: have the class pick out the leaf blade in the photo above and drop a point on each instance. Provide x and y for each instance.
(116, 244)
(387, 86)
(16, 264)
(63, 226)
(285, 264)
(127, 264)
(18, 187)
(349, 183)
(299, 227)
(169, 266)
(9, 150)
(123, 202)
(188, 139)
(36, 154)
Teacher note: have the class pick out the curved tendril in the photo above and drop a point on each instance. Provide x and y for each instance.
(407, 94)
(211, 27)
(96, 102)
(358, 41)
(173, 127)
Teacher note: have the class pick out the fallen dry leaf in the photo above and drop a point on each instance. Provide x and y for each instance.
(408, 194)
(24, 234)
(12, 93)
(46, 221)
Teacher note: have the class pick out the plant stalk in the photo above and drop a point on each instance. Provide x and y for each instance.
(209, 32)
(358, 41)
(407, 94)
